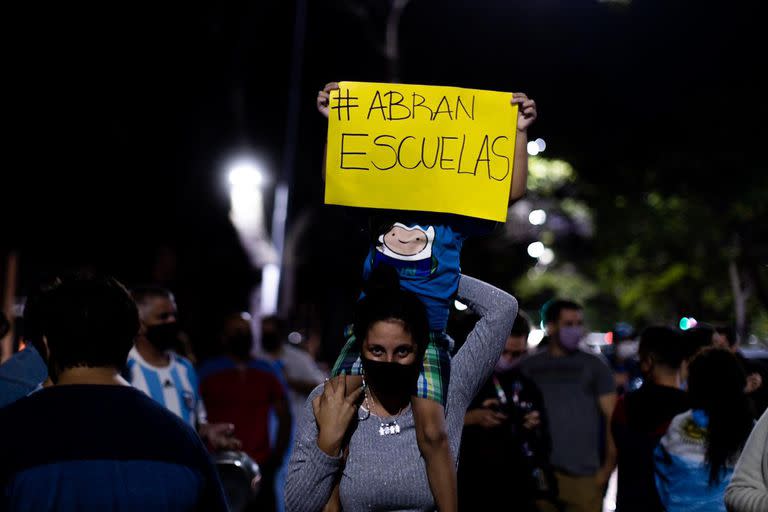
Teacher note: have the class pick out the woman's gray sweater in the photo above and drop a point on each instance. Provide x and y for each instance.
(748, 490)
(387, 472)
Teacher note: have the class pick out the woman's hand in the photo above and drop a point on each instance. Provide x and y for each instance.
(526, 113)
(334, 411)
(324, 98)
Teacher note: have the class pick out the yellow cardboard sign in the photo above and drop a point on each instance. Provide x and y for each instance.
(419, 147)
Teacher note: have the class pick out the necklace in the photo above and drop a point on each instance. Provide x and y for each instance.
(388, 428)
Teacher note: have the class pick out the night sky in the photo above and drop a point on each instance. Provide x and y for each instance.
(120, 117)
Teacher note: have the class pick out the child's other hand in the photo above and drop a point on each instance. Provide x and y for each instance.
(526, 113)
(324, 98)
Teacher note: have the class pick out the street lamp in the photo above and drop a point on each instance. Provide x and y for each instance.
(246, 177)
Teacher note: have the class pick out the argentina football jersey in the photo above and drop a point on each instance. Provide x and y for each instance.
(174, 386)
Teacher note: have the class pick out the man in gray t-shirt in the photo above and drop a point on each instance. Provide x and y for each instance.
(579, 393)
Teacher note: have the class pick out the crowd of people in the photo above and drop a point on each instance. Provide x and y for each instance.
(101, 411)
(532, 429)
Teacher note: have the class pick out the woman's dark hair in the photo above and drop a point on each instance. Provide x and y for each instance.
(384, 300)
(716, 384)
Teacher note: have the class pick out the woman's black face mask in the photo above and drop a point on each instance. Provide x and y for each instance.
(391, 379)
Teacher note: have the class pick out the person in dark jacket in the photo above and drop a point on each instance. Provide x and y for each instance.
(505, 443)
(641, 418)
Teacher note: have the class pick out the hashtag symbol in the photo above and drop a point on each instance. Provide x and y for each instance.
(344, 102)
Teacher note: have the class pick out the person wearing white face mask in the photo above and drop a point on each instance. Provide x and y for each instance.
(579, 397)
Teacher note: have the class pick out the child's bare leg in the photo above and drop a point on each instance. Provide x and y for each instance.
(429, 419)
(334, 503)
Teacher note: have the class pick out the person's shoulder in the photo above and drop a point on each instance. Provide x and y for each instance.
(164, 423)
(534, 359)
(265, 365)
(679, 420)
(184, 363)
(295, 353)
(214, 365)
(526, 381)
(13, 415)
(596, 359)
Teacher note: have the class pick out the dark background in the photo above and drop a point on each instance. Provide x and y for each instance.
(120, 118)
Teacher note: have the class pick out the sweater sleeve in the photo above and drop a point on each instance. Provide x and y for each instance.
(476, 359)
(748, 490)
(311, 472)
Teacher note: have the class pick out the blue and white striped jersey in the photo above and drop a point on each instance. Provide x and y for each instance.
(174, 386)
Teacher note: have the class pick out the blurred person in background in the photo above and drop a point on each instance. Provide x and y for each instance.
(505, 444)
(641, 417)
(241, 390)
(579, 397)
(26, 371)
(301, 371)
(756, 373)
(90, 441)
(695, 458)
(169, 379)
(623, 358)
(695, 340)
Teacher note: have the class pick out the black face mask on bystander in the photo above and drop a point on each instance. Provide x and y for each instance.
(240, 344)
(163, 336)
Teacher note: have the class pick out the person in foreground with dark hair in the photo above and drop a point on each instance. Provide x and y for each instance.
(98, 443)
(695, 458)
(641, 417)
(505, 444)
(382, 468)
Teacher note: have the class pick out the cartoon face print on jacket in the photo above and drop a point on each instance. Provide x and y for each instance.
(407, 243)
(408, 249)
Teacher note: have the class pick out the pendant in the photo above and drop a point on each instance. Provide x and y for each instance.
(389, 429)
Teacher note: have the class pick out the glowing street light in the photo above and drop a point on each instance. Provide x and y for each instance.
(537, 217)
(245, 172)
(536, 249)
(246, 179)
(533, 148)
(535, 337)
(547, 256)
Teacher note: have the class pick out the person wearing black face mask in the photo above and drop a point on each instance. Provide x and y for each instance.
(505, 443)
(239, 389)
(166, 377)
(369, 433)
